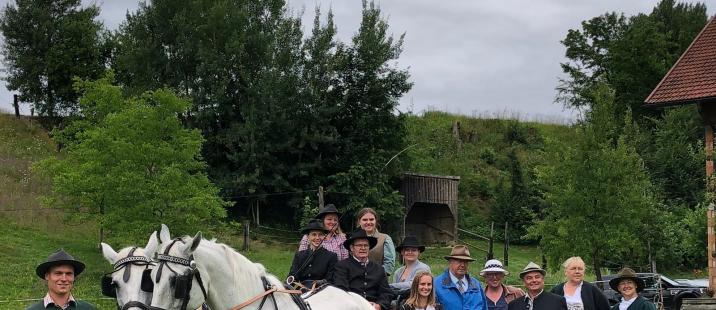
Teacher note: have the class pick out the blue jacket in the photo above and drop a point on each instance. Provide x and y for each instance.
(451, 299)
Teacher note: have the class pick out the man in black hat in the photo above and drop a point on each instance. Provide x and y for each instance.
(536, 298)
(60, 271)
(359, 275)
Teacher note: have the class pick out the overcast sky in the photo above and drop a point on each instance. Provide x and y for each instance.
(473, 57)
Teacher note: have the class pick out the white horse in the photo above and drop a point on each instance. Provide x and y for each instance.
(124, 282)
(227, 279)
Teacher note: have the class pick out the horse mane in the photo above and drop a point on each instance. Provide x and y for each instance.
(238, 263)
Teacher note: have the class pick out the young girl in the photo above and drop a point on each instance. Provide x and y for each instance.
(422, 295)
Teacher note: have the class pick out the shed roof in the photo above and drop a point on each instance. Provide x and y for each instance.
(693, 77)
(431, 176)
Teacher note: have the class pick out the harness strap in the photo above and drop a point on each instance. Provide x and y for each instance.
(162, 263)
(263, 295)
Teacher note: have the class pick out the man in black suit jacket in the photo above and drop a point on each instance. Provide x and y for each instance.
(536, 298)
(359, 275)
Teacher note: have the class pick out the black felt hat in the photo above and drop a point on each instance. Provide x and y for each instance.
(359, 234)
(314, 224)
(329, 208)
(59, 257)
(410, 242)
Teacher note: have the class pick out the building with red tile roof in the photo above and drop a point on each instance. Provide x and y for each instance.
(692, 79)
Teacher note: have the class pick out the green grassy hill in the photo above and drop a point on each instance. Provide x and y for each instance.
(477, 151)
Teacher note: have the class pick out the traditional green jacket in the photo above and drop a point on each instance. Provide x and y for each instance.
(78, 305)
(640, 303)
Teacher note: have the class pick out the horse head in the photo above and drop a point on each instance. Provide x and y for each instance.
(131, 268)
(177, 281)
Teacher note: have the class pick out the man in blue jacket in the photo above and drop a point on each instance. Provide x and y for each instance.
(454, 288)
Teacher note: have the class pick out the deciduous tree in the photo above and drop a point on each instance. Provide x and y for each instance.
(133, 165)
(47, 44)
(599, 195)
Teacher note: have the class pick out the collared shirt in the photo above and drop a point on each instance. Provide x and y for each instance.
(363, 263)
(48, 300)
(624, 304)
(530, 300)
(334, 243)
(454, 279)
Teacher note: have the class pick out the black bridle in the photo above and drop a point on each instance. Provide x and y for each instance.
(182, 283)
(110, 289)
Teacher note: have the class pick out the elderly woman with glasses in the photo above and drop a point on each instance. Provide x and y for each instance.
(579, 294)
(498, 294)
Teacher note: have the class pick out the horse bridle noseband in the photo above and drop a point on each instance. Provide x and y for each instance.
(109, 289)
(183, 283)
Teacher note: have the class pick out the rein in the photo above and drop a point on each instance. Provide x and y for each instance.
(268, 292)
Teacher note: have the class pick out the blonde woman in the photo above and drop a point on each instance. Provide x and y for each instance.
(579, 294)
(422, 295)
(384, 252)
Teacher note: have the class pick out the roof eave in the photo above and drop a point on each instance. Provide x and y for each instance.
(665, 104)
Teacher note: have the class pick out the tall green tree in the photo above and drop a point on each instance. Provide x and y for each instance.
(599, 195)
(47, 44)
(631, 54)
(280, 113)
(132, 165)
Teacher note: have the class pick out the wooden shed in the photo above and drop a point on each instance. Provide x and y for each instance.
(430, 207)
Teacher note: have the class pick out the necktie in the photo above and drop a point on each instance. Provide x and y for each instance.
(461, 286)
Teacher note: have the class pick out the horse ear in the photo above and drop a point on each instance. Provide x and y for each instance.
(152, 245)
(195, 242)
(190, 247)
(164, 234)
(109, 254)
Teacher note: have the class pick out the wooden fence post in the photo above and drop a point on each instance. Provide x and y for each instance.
(505, 254)
(320, 198)
(247, 236)
(16, 104)
(490, 253)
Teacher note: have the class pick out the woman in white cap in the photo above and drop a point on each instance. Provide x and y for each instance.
(498, 294)
(579, 294)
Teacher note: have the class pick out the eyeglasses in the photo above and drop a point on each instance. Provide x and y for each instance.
(361, 245)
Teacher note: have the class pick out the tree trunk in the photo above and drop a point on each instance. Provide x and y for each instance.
(597, 265)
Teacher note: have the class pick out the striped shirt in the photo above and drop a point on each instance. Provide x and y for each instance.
(333, 244)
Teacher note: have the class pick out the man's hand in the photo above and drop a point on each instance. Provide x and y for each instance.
(376, 306)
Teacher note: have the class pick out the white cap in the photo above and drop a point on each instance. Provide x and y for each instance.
(493, 265)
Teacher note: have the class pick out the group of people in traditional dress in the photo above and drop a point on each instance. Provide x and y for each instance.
(363, 263)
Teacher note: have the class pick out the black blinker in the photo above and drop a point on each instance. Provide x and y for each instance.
(147, 284)
(108, 287)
